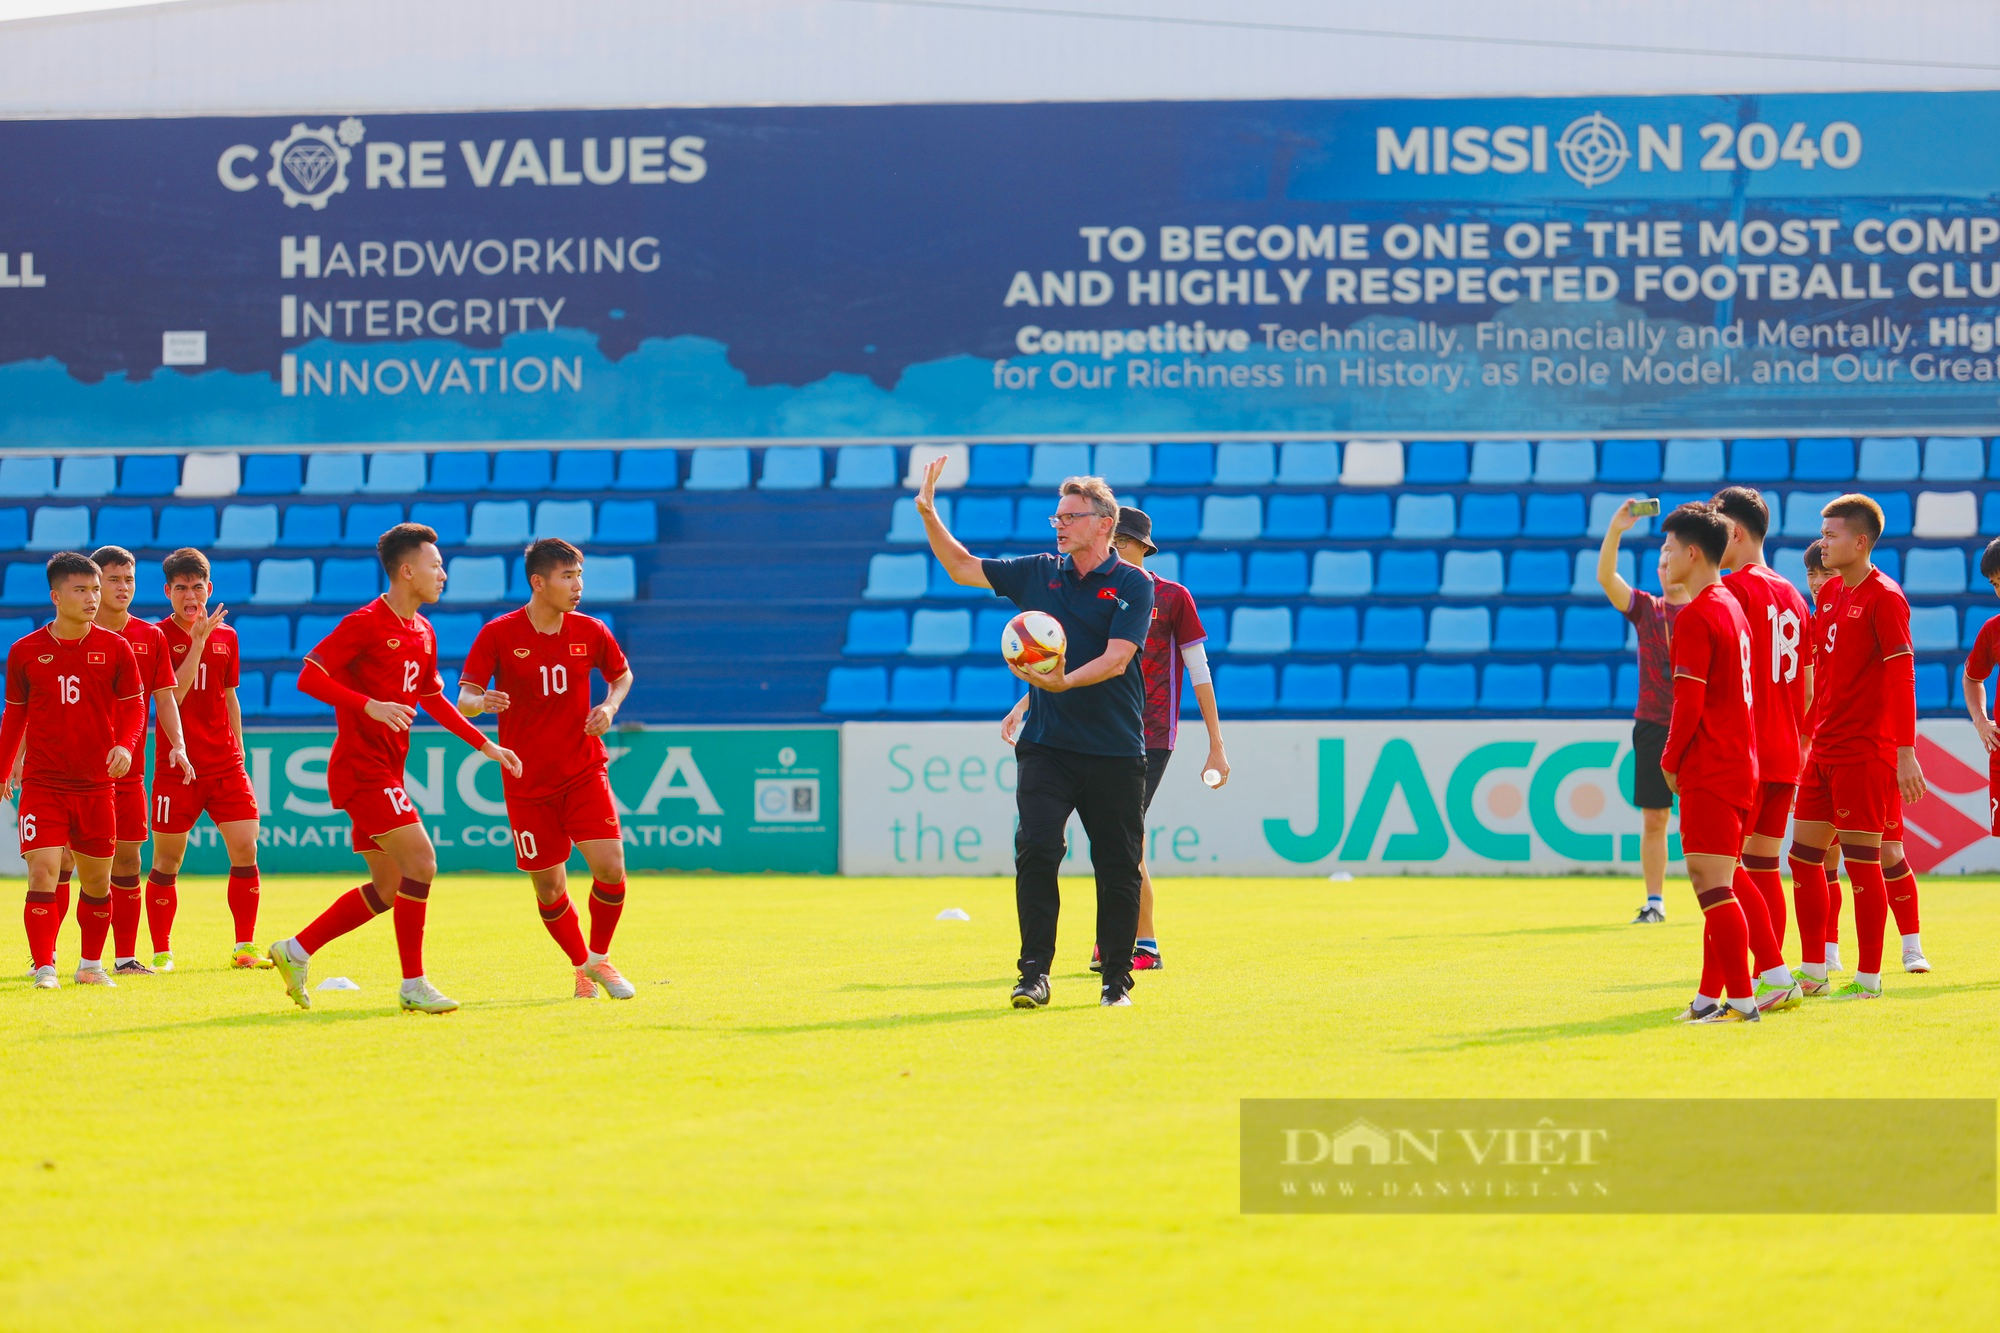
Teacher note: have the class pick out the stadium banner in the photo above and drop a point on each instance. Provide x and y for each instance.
(1341, 799)
(1597, 265)
(727, 798)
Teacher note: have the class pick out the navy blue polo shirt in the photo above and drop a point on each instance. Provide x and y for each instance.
(1113, 601)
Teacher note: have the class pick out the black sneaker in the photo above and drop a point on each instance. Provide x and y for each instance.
(1649, 915)
(132, 967)
(1117, 992)
(1031, 992)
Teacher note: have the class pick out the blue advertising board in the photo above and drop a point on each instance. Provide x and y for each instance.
(1149, 270)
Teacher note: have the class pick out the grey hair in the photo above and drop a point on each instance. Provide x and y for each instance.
(1096, 490)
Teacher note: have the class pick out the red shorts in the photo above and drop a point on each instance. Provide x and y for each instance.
(379, 809)
(128, 802)
(86, 822)
(1774, 809)
(1893, 830)
(544, 831)
(1856, 797)
(177, 803)
(1710, 826)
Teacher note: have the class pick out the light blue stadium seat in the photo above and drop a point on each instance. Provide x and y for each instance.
(876, 633)
(459, 470)
(897, 577)
(517, 580)
(310, 525)
(1392, 629)
(1472, 574)
(1276, 574)
(1184, 465)
(996, 467)
(286, 700)
(1790, 561)
(1525, 629)
(570, 520)
(349, 580)
(1553, 515)
(248, 527)
(395, 472)
(149, 476)
(1579, 687)
(1419, 518)
(284, 583)
(476, 578)
(311, 629)
(792, 468)
(1934, 629)
(1896, 513)
(648, 469)
(1437, 463)
(445, 517)
(1308, 688)
(522, 470)
(1031, 520)
(1327, 629)
(614, 578)
(272, 474)
(26, 584)
(1445, 687)
(1406, 574)
(1484, 517)
(333, 474)
(1975, 619)
(1295, 518)
(1930, 572)
(1758, 460)
(990, 621)
(941, 586)
(61, 528)
(628, 523)
(1342, 574)
(14, 529)
(250, 693)
(1989, 514)
(366, 522)
(499, 523)
(1510, 688)
(940, 633)
(1054, 464)
(1361, 517)
(975, 518)
(719, 469)
(1232, 518)
(1802, 512)
(1501, 463)
(1824, 459)
(27, 477)
(1245, 464)
(1303, 463)
(230, 581)
(1604, 506)
(1693, 461)
(87, 476)
(455, 632)
(1212, 573)
(1565, 463)
(1378, 688)
(263, 638)
(1889, 458)
(1583, 583)
(1954, 458)
(1934, 688)
(585, 470)
(1626, 696)
(185, 525)
(1246, 687)
(129, 526)
(915, 689)
(1629, 461)
(864, 467)
(1593, 629)
(1260, 630)
(1124, 465)
(984, 691)
(1459, 629)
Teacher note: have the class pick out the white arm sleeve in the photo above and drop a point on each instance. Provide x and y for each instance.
(1196, 657)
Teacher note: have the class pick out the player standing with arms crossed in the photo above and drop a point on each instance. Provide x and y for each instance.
(377, 668)
(539, 660)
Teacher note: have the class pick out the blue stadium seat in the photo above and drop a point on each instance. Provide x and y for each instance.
(940, 633)
(1525, 629)
(1309, 464)
(530, 470)
(1954, 458)
(1510, 688)
(499, 523)
(1565, 463)
(1342, 574)
(1889, 560)
(1759, 460)
(1176, 518)
(991, 620)
(915, 689)
(978, 518)
(721, 468)
(1694, 461)
(61, 528)
(310, 525)
(997, 467)
(864, 467)
(348, 580)
(477, 578)
(1031, 519)
(395, 472)
(129, 526)
(284, 583)
(1123, 466)
(792, 468)
(876, 633)
(14, 529)
(570, 520)
(263, 638)
(1306, 688)
(445, 517)
(1604, 506)
(1276, 574)
(1459, 629)
(1212, 573)
(1896, 514)
(1260, 630)
(1931, 572)
(517, 580)
(1626, 697)
(367, 521)
(1933, 687)
(1593, 629)
(310, 630)
(456, 471)
(1472, 574)
(1419, 518)
(230, 581)
(455, 632)
(1538, 574)
(1246, 687)
(1584, 582)
(1295, 518)
(1889, 458)
(248, 527)
(27, 477)
(1825, 459)
(1975, 620)
(1232, 518)
(984, 691)
(1790, 561)
(648, 469)
(1392, 629)
(1378, 688)
(1184, 465)
(897, 577)
(941, 586)
(1327, 629)
(1361, 517)
(588, 469)
(250, 693)
(1242, 464)
(147, 476)
(1629, 461)
(1933, 629)
(905, 523)
(26, 584)
(1989, 512)
(286, 700)
(1553, 515)
(1406, 574)
(1053, 464)
(1502, 463)
(1437, 463)
(614, 578)
(185, 525)
(1444, 687)
(1580, 687)
(1483, 517)
(628, 522)
(272, 474)
(333, 474)
(1802, 512)
(87, 476)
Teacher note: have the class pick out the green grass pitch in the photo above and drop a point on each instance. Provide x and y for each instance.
(829, 1117)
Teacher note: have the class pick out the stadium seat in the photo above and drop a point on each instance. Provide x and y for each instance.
(1525, 629)
(445, 517)
(1123, 465)
(1361, 517)
(334, 474)
(975, 518)
(27, 478)
(1954, 458)
(1946, 514)
(646, 470)
(1565, 463)
(614, 578)
(248, 527)
(1260, 630)
(1889, 458)
(1629, 461)
(1184, 465)
(1459, 629)
(1243, 464)
(1896, 513)
(455, 632)
(1309, 464)
(284, 583)
(587, 470)
(1538, 573)
(61, 528)
(792, 468)
(517, 580)
(1579, 687)
(864, 467)
(1975, 620)
(230, 580)
(1378, 688)
(26, 584)
(1933, 629)
(1471, 574)
(1307, 688)
(1246, 687)
(263, 638)
(897, 577)
(628, 523)
(1989, 513)
(1444, 687)
(984, 691)
(129, 526)
(1419, 518)
(1212, 573)
(1176, 518)
(1275, 574)
(1342, 574)
(149, 476)
(1437, 463)
(1824, 459)
(1559, 515)
(570, 520)
(87, 476)
(719, 468)
(915, 689)
(957, 465)
(1372, 463)
(271, 474)
(1502, 463)
(997, 467)
(367, 521)
(286, 700)
(250, 693)
(395, 472)
(1889, 560)
(1484, 517)
(1052, 464)
(1603, 507)
(202, 475)
(348, 580)
(310, 525)
(1295, 518)
(876, 633)
(941, 586)
(1232, 518)
(989, 622)
(529, 470)
(1930, 572)
(1584, 582)
(310, 629)
(478, 578)
(1593, 629)
(1406, 574)
(14, 530)
(1802, 512)
(1759, 460)
(905, 523)
(1933, 687)
(1031, 520)
(940, 633)
(1693, 461)
(1505, 687)
(1392, 629)
(1327, 629)
(457, 471)
(498, 523)
(185, 525)
(1625, 697)
(1790, 562)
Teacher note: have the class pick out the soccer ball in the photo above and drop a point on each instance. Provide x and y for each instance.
(1034, 641)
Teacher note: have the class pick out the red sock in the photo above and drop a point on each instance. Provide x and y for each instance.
(162, 900)
(62, 899)
(243, 898)
(126, 909)
(1764, 875)
(1766, 951)
(94, 916)
(350, 911)
(1833, 908)
(560, 919)
(1724, 915)
(42, 924)
(412, 902)
(1711, 967)
(1902, 885)
(607, 904)
(1809, 895)
(1871, 905)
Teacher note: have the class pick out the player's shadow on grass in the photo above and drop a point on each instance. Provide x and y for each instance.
(1933, 992)
(880, 1023)
(998, 983)
(1502, 934)
(282, 1016)
(1612, 1025)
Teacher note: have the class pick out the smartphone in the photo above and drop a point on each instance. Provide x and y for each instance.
(1645, 508)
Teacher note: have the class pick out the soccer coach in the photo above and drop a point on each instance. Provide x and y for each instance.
(1083, 746)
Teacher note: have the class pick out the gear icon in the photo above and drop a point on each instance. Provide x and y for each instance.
(309, 165)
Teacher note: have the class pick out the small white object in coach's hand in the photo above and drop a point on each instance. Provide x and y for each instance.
(1212, 776)
(954, 914)
(336, 983)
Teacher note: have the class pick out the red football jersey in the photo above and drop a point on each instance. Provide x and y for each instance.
(381, 656)
(1859, 628)
(1779, 624)
(1175, 626)
(156, 673)
(72, 689)
(1985, 652)
(546, 678)
(1715, 752)
(211, 742)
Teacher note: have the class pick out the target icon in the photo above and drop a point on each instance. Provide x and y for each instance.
(1592, 150)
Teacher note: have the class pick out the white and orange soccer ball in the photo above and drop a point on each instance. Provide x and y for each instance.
(1033, 641)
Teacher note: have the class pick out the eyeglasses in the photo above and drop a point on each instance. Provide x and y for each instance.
(1064, 520)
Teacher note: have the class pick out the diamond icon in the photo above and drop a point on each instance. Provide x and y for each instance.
(308, 161)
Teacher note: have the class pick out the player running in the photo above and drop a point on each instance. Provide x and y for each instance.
(376, 669)
(74, 695)
(1781, 696)
(1710, 759)
(206, 666)
(539, 660)
(1864, 747)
